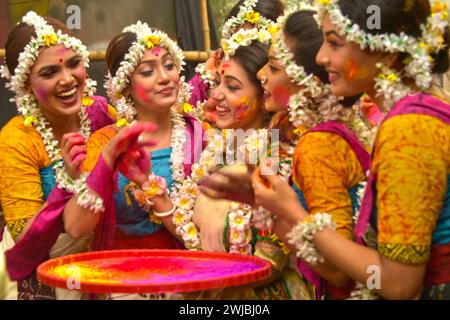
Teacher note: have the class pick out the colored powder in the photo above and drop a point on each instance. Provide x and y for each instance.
(281, 96)
(152, 270)
(142, 94)
(156, 51)
(353, 72)
(41, 95)
(62, 51)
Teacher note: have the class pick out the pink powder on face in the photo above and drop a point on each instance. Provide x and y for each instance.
(142, 94)
(41, 95)
(244, 109)
(156, 51)
(61, 52)
(281, 96)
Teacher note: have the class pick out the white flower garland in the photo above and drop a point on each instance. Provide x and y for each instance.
(28, 107)
(240, 215)
(420, 50)
(361, 292)
(303, 234)
(146, 39)
(246, 14)
(205, 75)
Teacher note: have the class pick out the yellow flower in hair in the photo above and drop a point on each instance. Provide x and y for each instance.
(29, 121)
(439, 7)
(252, 16)
(324, 2)
(273, 29)
(240, 38)
(186, 108)
(49, 39)
(88, 101)
(392, 77)
(152, 41)
(122, 122)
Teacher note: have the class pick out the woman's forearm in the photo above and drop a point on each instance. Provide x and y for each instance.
(326, 269)
(392, 280)
(79, 222)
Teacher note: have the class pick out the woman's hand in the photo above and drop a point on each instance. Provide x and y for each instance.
(127, 151)
(233, 185)
(277, 196)
(214, 60)
(73, 151)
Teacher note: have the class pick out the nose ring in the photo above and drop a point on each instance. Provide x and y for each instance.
(263, 79)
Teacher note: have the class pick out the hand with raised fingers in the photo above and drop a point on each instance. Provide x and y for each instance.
(214, 60)
(73, 152)
(127, 151)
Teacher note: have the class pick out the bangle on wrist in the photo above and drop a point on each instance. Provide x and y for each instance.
(167, 213)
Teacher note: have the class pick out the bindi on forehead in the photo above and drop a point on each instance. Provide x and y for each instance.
(156, 51)
(225, 66)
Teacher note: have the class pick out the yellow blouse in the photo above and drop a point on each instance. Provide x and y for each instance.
(95, 144)
(22, 156)
(325, 168)
(412, 162)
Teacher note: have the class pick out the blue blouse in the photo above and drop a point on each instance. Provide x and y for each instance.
(133, 220)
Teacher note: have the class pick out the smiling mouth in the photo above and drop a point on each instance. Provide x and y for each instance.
(222, 111)
(166, 91)
(267, 94)
(67, 95)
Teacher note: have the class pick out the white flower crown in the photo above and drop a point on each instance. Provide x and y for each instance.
(146, 39)
(244, 38)
(45, 37)
(246, 14)
(313, 103)
(420, 63)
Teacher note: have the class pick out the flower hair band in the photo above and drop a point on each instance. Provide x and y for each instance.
(46, 36)
(418, 65)
(246, 14)
(147, 38)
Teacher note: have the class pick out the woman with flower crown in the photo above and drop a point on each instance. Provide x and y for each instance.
(145, 85)
(402, 234)
(329, 160)
(245, 14)
(46, 70)
(223, 225)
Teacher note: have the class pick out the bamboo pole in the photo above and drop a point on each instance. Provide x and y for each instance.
(100, 55)
(205, 26)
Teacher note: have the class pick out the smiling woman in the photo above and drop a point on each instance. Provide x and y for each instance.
(144, 83)
(46, 70)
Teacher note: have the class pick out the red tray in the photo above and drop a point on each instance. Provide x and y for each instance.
(152, 271)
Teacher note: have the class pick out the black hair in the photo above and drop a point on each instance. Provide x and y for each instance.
(269, 9)
(253, 58)
(308, 38)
